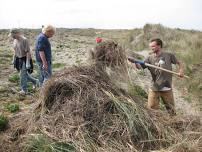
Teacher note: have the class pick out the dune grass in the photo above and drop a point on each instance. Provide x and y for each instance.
(3, 122)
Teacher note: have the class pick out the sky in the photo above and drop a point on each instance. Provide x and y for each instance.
(101, 14)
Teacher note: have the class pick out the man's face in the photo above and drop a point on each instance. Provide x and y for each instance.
(50, 34)
(15, 36)
(154, 47)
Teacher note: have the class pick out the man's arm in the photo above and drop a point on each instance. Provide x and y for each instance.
(44, 61)
(13, 60)
(181, 71)
(28, 55)
(174, 60)
(137, 64)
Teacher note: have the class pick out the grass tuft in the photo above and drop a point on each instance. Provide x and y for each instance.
(3, 122)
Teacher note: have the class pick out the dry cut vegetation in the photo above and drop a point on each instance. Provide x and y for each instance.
(85, 109)
(81, 109)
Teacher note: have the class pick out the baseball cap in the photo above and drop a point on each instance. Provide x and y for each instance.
(98, 40)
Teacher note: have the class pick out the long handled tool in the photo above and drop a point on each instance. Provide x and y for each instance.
(153, 66)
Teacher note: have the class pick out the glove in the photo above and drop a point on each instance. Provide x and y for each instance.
(13, 60)
(136, 61)
(28, 65)
(139, 62)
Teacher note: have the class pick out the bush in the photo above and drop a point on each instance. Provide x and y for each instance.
(3, 122)
(14, 78)
(14, 107)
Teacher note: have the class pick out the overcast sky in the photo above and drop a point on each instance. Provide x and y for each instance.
(108, 14)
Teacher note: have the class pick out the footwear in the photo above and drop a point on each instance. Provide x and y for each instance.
(22, 92)
(34, 87)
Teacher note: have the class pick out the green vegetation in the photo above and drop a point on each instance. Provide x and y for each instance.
(30, 88)
(137, 90)
(12, 107)
(3, 89)
(3, 122)
(58, 65)
(188, 98)
(5, 55)
(137, 120)
(14, 78)
(5, 61)
(40, 143)
(161, 104)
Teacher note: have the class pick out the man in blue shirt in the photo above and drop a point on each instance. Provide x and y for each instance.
(43, 53)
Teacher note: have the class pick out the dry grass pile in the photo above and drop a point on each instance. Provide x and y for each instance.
(11, 139)
(108, 53)
(82, 107)
(189, 134)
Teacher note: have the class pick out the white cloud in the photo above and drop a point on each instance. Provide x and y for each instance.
(100, 14)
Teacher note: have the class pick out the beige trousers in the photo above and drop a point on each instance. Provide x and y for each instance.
(167, 98)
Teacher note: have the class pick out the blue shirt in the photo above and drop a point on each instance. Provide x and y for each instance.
(43, 44)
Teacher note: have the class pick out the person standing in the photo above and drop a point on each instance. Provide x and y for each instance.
(98, 40)
(161, 81)
(22, 59)
(43, 53)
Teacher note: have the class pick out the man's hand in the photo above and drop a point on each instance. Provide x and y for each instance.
(136, 65)
(13, 60)
(181, 73)
(131, 59)
(45, 66)
(44, 61)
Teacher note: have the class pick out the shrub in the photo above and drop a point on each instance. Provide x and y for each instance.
(14, 78)
(3, 122)
(13, 107)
